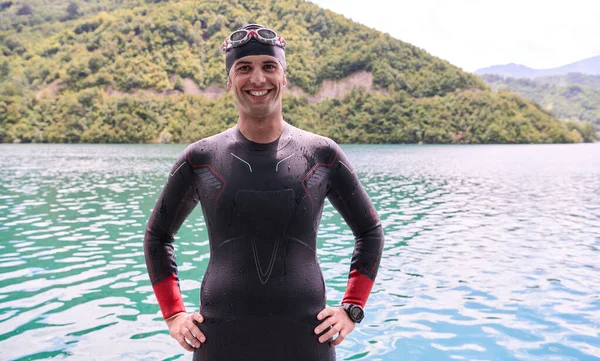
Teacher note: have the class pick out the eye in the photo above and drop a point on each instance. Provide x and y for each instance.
(244, 68)
(269, 67)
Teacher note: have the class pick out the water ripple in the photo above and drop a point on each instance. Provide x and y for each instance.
(491, 253)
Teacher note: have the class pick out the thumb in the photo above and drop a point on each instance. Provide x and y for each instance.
(198, 317)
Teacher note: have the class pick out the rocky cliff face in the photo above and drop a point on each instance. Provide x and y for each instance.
(329, 89)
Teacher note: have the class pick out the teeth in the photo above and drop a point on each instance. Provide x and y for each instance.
(259, 94)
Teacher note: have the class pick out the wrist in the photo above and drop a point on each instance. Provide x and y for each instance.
(174, 316)
(354, 312)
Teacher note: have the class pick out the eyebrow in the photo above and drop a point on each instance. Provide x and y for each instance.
(246, 62)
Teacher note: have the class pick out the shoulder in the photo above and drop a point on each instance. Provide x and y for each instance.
(327, 152)
(203, 150)
(324, 148)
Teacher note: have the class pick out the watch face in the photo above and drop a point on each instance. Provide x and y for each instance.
(357, 313)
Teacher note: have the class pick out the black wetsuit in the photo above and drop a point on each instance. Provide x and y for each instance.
(262, 205)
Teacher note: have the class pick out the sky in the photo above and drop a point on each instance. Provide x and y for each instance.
(474, 34)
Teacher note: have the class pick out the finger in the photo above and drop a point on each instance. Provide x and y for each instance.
(190, 337)
(329, 334)
(323, 325)
(198, 317)
(195, 330)
(326, 312)
(339, 339)
(184, 343)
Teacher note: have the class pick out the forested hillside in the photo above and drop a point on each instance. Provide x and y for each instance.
(573, 98)
(121, 71)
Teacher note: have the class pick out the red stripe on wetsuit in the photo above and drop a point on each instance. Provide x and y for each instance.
(358, 289)
(169, 297)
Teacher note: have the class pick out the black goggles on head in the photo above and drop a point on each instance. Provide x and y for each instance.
(263, 35)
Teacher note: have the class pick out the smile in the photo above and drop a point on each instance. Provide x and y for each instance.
(258, 94)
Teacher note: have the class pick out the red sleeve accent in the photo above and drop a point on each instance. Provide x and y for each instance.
(168, 296)
(358, 289)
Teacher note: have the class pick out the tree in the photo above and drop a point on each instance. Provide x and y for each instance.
(4, 69)
(25, 10)
(73, 11)
(5, 5)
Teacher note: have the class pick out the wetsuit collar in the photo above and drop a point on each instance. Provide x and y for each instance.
(277, 144)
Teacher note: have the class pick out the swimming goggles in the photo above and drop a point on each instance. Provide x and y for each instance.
(263, 35)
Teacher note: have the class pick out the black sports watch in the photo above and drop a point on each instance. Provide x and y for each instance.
(355, 312)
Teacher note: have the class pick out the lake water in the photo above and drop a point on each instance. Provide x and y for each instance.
(491, 253)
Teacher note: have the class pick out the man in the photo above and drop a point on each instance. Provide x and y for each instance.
(262, 185)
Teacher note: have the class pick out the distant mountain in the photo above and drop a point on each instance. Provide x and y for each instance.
(590, 66)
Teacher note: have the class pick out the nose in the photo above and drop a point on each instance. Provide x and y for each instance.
(257, 76)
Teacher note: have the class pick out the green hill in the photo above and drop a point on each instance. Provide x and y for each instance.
(574, 97)
(127, 71)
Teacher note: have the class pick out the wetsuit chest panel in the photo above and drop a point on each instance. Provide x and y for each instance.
(264, 218)
(242, 170)
(264, 214)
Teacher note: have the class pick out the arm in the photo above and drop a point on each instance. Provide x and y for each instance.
(351, 200)
(176, 201)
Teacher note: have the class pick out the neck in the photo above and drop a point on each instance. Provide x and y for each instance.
(261, 129)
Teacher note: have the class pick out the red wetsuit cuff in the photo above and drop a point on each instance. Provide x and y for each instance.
(169, 297)
(358, 289)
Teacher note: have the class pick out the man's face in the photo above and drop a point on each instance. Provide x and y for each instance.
(257, 82)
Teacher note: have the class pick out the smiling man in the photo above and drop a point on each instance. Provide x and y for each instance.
(262, 185)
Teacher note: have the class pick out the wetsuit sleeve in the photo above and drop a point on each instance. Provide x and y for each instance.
(349, 197)
(176, 201)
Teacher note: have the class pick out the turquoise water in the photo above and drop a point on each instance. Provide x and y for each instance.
(492, 253)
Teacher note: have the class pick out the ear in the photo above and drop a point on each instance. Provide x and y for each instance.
(284, 80)
(229, 82)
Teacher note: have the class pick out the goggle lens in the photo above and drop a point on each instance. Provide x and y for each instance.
(267, 34)
(238, 35)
